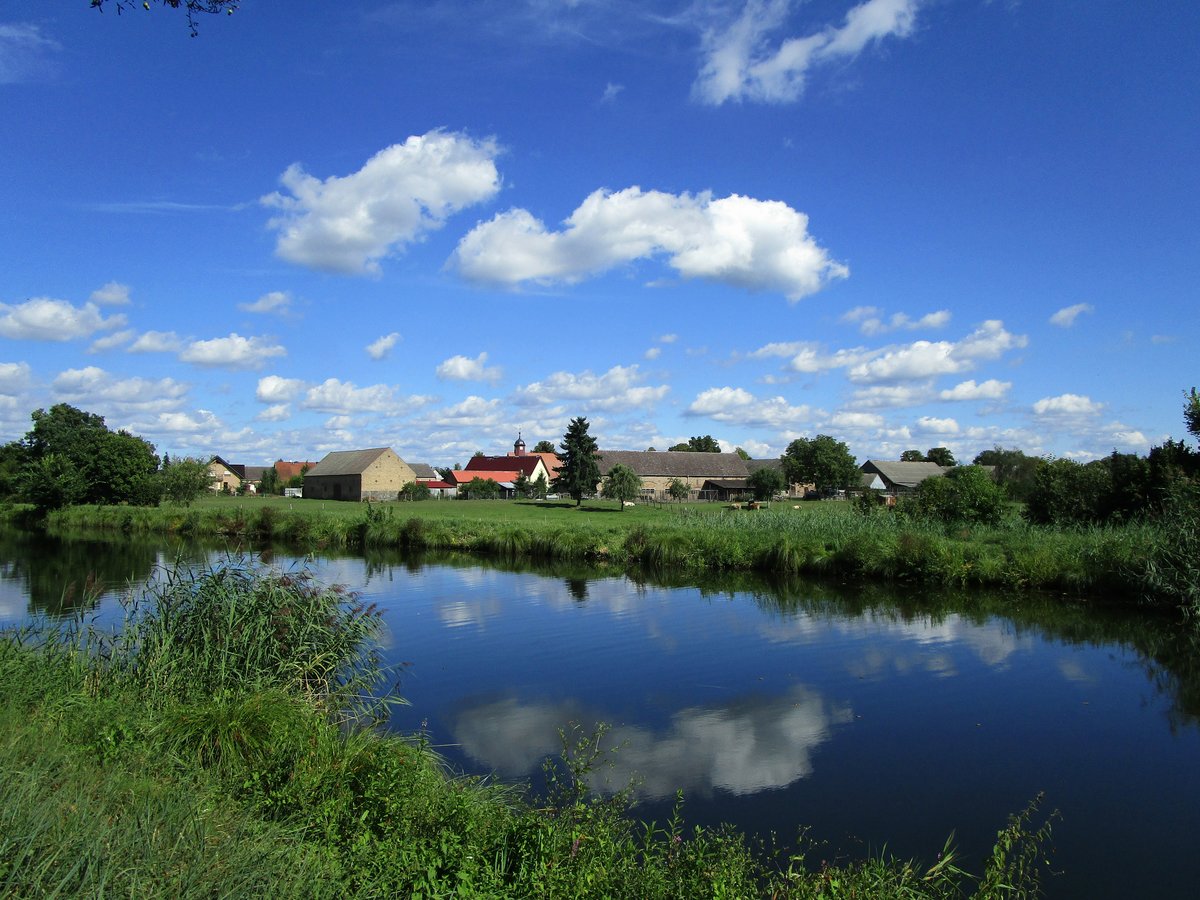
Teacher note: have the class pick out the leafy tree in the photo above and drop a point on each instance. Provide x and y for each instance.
(621, 484)
(705, 444)
(194, 8)
(1191, 413)
(477, 454)
(1066, 492)
(579, 472)
(964, 495)
(742, 453)
(444, 473)
(824, 461)
(12, 459)
(539, 489)
(942, 456)
(414, 490)
(543, 447)
(269, 483)
(912, 456)
(51, 481)
(678, 489)
(185, 479)
(766, 483)
(1012, 469)
(481, 489)
(103, 466)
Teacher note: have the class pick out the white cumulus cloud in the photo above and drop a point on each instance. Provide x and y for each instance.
(619, 388)
(745, 60)
(274, 389)
(462, 368)
(157, 342)
(346, 398)
(1067, 405)
(14, 377)
(737, 406)
(934, 425)
(347, 224)
(233, 352)
(735, 240)
(871, 321)
(46, 319)
(93, 386)
(991, 389)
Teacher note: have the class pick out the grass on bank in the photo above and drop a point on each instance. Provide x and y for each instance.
(224, 743)
(1133, 563)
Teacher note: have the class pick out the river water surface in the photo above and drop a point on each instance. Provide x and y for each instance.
(867, 716)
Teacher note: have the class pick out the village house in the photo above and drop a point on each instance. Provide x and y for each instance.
(376, 474)
(658, 469)
(225, 476)
(896, 478)
(505, 470)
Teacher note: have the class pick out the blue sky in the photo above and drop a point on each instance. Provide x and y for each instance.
(426, 225)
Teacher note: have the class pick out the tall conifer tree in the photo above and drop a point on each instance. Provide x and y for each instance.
(579, 473)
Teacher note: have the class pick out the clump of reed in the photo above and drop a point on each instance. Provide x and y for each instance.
(231, 630)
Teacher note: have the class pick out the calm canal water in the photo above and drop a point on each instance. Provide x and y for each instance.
(869, 716)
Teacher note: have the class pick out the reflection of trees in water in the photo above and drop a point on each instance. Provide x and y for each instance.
(1168, 648)
(64, 577)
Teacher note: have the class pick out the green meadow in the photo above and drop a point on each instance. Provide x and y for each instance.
(1138, 563)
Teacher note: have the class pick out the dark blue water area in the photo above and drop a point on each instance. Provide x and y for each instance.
(865, 717)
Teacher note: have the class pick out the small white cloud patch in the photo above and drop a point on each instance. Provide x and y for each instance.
(380, 348)
(1066, 316)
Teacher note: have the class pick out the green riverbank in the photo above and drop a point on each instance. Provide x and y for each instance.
(1132, 564)
(225, 741)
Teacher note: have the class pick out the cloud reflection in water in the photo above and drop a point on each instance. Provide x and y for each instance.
(753, 744)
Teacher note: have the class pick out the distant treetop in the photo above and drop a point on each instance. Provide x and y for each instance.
(192, 7)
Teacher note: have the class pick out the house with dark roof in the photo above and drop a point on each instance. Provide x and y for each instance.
(658, 468)
(225, 476)
(531, 465)
(901, 477)
(375, 474)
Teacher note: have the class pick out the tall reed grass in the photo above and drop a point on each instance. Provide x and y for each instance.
(1139, 562)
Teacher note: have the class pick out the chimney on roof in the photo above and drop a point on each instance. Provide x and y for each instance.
(519, 446)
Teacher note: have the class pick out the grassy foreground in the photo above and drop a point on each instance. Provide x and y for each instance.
(226, 742)
(1137, 562)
